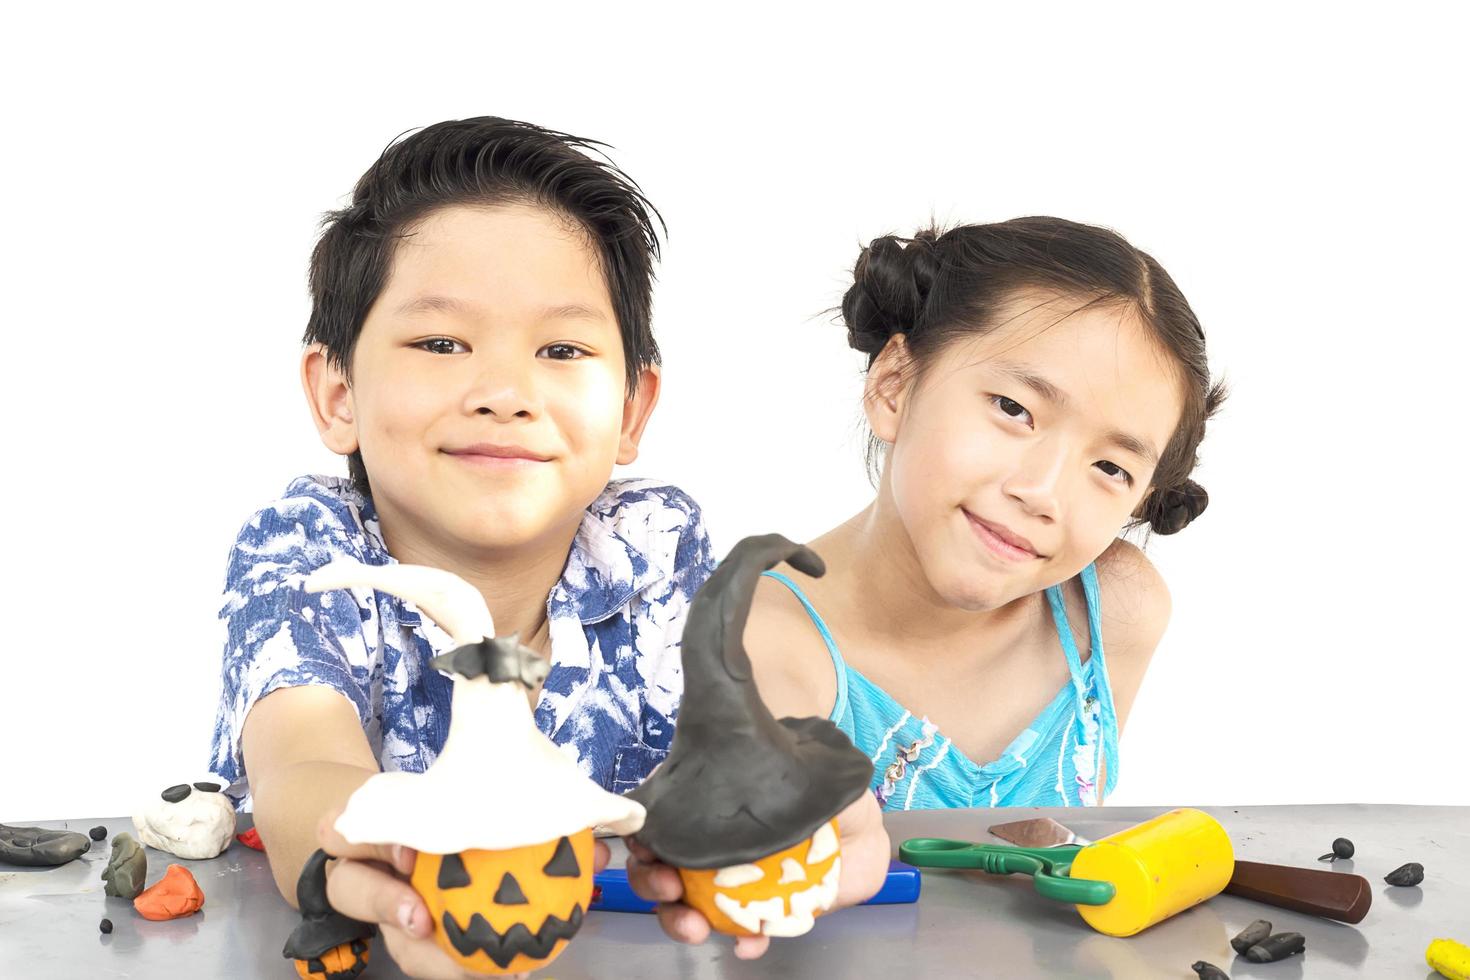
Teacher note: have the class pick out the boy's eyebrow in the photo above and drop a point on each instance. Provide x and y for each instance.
(1123, 440)
(433, 303)
(571, 311)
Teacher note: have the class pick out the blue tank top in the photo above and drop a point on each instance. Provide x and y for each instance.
(1055, 761)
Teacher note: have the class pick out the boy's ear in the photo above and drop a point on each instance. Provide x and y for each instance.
(636, 411)
(885, 389)
(330, 398)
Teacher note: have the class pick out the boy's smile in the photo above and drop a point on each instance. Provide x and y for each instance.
(487, 392)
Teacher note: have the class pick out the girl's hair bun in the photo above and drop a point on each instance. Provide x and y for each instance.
(891, 284)
(1169, 511)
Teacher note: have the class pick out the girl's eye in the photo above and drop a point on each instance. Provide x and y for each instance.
(1012, 409)
(441, 345)
(563, 352)
(1115, 472)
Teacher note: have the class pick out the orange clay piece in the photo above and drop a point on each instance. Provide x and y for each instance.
(174, 896)
(784, 883)
(338, 963)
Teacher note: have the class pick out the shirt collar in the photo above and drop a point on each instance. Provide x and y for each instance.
(607, 567)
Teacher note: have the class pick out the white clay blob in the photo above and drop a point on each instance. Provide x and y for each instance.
(199, 826)
(499, 783)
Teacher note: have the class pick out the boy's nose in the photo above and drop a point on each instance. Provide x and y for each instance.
(504, 393)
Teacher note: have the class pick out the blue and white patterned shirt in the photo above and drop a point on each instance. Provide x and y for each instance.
(615, 621)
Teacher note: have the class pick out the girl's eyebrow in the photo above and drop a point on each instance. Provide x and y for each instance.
(1134, 445)
(1026, 376)
(1032, 380)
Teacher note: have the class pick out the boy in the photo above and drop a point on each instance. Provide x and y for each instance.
(479, 348)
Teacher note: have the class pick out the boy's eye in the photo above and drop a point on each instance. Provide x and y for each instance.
(1011, 408)
(563, 352)
(1115, 472)
(441, 345)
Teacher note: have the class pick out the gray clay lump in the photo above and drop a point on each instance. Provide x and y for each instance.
(37, 847)
(127, 868)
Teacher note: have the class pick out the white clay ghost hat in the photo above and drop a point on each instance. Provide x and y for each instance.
(499, 782)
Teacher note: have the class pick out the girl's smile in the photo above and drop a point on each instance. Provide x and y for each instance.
(1001, 541)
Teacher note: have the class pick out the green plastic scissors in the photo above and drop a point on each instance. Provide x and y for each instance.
(1050, 867)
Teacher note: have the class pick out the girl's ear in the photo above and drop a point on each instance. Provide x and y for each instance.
(885, 389)
(636, 412)
(330, 399)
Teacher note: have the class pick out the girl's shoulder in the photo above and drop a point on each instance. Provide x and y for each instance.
(788, 655)
(1135, 601)
(1134, 610)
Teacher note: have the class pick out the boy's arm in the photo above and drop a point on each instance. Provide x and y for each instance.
(305, 754)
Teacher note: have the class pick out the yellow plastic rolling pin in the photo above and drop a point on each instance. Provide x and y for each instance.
(1120, 885)
(1160, 867)
(1450, 958)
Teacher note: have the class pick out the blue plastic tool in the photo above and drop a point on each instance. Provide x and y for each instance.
(612, 894)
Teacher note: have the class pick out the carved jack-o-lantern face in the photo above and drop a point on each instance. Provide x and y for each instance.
(780, 895)
(338, 963)
(507, 911)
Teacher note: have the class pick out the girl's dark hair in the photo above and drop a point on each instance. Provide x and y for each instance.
(482, 161)
(938, 286)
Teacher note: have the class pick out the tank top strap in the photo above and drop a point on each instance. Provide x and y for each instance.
(1097, 665)
(1064, 635)
(840, 706)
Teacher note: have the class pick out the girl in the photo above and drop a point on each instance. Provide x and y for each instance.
(1034, 387)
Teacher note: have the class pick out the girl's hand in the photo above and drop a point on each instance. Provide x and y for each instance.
(865, 852)
(369, 882)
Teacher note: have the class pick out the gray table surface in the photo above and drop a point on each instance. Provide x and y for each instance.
(966, 924)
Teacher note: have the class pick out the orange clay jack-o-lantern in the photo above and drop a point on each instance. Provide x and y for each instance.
(507, 911)
(338, 963)
(778, 895)
(506, 886)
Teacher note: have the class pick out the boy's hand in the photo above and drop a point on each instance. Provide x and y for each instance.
(865, 853)
(369, 882)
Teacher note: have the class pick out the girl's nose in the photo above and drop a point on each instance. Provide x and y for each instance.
(1036, 481)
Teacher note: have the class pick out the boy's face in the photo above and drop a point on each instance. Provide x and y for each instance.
(487, 395)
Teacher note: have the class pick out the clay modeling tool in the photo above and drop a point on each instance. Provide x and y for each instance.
(613, 893)
(1121, 884)
(1333, 895)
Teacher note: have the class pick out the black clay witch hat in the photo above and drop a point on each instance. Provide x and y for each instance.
(322, 927)
(738, 785)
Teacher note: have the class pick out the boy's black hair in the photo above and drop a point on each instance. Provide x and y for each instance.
(485, 160)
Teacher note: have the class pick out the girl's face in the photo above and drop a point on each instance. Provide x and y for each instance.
(1017, 456)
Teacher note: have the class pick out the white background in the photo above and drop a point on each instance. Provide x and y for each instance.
(1301, 175)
